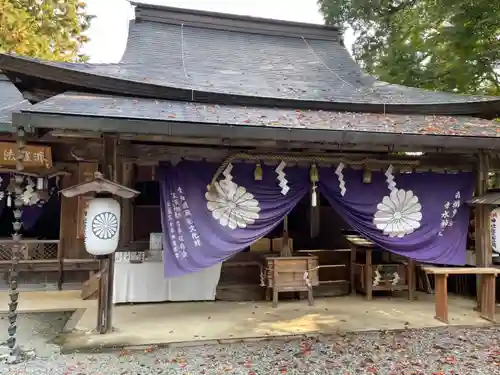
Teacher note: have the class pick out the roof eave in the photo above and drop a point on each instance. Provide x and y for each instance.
(6, 127)
(187, 129)
(67, 79)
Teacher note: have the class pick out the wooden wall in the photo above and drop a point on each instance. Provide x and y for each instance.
(146, 212)
(72, 213)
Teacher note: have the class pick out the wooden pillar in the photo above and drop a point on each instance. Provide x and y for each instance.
(482, 217)
(126, 219)
(411, 272)
(105, 303)
(368, 274)
(352, 280)
(285, 250)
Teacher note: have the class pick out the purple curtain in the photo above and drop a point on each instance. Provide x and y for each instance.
(419, 215)
(31, 214)
(202, 228)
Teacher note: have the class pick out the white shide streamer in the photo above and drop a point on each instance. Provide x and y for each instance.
(227, 173)
(283, 182)
(391, 184)
(396, 278)
(340, 176)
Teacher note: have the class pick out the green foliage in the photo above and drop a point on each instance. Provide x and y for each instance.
(447, 45)
(46, 29)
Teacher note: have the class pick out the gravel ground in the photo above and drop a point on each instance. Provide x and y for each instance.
(434, 352)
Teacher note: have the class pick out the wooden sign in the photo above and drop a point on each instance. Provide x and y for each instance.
(34, 156)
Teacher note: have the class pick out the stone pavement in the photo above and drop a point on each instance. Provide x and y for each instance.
(195, 323)
(437, 351)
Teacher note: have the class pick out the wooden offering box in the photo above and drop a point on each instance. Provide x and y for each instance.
(288, 274)
(368, 276)
(383, 277)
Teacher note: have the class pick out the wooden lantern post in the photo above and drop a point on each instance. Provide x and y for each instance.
(102, 188)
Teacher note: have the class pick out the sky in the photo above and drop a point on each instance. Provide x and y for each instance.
(109, 30)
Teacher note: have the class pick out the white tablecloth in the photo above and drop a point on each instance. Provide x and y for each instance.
(144, 282)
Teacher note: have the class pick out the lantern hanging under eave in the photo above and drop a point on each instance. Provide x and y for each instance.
(102, 219)
(495, 229)
(102, 226)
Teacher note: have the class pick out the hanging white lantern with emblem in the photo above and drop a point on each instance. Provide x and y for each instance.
(102, 226)
(495, 229)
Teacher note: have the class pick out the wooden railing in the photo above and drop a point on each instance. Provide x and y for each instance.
(44, 256)
(31, 249)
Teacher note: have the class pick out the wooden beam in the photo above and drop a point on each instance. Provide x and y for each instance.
(40, 133)
(61, 135)
(147, 154)
(81, 151)
(67, 149)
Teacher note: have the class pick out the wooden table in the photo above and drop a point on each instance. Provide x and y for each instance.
(359, 243)
(487, 306)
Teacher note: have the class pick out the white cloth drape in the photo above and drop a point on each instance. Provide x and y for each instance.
(144, 282)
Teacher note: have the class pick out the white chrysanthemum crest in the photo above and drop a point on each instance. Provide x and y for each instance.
(232, 205)
(398, 214)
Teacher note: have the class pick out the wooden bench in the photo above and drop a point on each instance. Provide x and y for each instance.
(487, 300)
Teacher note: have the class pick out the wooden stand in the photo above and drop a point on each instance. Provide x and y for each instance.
(362, 274)
(288, 274)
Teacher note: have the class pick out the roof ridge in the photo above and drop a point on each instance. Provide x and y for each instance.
(233, 22)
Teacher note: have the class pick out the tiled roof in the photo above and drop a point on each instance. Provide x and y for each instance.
(10, 100)
(74, 104)
(190, 55)
(260, 65)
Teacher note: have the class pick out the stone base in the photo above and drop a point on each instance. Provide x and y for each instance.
(19, 355)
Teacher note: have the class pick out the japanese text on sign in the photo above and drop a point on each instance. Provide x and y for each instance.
(178, 209)
(34, 156)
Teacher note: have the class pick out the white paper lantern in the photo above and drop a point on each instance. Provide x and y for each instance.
(495, 229)
(102, 226)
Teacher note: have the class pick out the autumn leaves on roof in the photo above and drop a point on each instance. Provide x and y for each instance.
(197, 56)
(189, 73)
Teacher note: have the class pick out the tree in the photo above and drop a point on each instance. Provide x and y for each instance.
(46, 29)
(448, 45)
